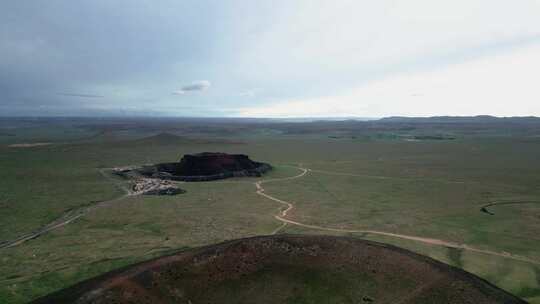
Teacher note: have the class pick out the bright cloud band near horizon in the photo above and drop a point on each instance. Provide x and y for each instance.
(501, 85)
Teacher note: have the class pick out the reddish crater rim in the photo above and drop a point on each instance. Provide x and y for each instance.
(263, 268)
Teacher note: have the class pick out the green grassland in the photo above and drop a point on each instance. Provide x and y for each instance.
(431, 188)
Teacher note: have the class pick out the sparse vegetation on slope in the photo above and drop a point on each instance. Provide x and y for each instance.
(287, 269)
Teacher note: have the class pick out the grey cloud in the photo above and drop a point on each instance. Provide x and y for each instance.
(81, 95)
(193, 87)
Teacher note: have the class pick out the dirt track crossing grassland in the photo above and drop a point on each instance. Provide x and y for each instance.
(282, 217)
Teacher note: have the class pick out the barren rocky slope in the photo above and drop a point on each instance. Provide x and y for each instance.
(287, 269)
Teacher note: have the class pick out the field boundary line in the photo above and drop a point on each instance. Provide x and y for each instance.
(387, 177)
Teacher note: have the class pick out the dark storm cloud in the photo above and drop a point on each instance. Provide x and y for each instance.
(97, 46)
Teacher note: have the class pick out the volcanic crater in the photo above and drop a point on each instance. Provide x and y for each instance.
(206, 166)
(159, 179)
(287, 269)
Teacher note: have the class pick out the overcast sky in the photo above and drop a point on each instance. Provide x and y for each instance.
(275, 58)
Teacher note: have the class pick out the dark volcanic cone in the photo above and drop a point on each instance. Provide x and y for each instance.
(287, 269)
(207, 166)
(214, 163)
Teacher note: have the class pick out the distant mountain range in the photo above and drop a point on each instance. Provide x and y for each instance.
(254, 120)
(462, 119)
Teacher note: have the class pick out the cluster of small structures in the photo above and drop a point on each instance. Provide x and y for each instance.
(151, 186)
(159, 179)
(147, 186)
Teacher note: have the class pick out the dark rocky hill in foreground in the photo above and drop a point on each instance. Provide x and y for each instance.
(206, 166)
(287, 269)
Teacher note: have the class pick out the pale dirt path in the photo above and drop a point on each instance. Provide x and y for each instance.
(69, 216)
(29, 145)
(283, 214)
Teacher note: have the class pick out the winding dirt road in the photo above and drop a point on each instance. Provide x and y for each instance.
(282, 212)
(73, 215)
(282, 217)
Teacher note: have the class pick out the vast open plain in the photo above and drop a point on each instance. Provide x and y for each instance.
(466, 193)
